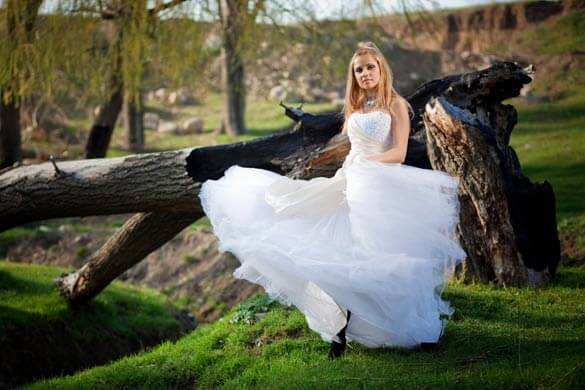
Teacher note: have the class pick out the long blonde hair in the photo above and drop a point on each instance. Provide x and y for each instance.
(385, 94)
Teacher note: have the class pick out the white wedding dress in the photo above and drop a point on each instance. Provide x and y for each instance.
(376, 238)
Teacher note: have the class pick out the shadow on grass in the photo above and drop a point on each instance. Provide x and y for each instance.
(21, 286)
(570, 278)
(568, 181)
(45, 337)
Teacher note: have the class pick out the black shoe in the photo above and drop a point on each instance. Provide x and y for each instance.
(431, 347)
(337, 349)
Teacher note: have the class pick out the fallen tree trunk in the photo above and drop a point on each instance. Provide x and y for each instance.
(141, 183)
(160, 183)
(138, 237)
(156, 182)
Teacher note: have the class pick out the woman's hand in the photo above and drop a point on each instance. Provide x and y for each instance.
(391, 156)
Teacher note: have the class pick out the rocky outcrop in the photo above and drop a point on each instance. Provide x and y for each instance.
(474, 29)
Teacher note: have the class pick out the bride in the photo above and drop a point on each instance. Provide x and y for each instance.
(365, 254)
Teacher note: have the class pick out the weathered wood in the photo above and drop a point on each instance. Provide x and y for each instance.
(491, 228)
(461, 149)
(139, 236)
(153, 182)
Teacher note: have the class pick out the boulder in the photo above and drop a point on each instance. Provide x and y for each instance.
(161, 94)
(193, 126)
(173, 98)
(168, 127)
(151, 120)
(278, 92)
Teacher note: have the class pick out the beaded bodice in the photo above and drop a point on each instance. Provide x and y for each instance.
(369, 133)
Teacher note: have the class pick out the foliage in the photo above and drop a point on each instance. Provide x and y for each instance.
(74, 50)
(19, 55)
(498, 338)
(245, 312)
(564, 36)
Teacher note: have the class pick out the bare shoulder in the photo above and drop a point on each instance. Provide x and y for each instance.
(400, 107)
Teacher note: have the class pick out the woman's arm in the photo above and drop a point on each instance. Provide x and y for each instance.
(400, 130)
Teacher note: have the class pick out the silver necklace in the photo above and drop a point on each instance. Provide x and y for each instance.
(370, 102)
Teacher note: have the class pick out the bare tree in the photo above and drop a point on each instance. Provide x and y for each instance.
(134, 122)
(236, 19)
(126, 19)
(19, 20)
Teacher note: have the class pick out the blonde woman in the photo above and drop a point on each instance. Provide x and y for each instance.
(365, 254)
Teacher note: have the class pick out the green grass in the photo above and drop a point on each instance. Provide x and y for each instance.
(565, 35)
(29, 299)
(550, 142)
(201, 223)
(498, 338)
(41, 336)
(263, 117)
(554, 41)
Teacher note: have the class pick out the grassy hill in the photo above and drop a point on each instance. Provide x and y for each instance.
(498, 338)
(40, 336)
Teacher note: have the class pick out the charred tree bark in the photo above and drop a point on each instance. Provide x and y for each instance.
(508, 224)
(485, 228)
(138, 237)
(153, 182)
(134, 123)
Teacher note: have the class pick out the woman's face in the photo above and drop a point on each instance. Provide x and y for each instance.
(366, 71)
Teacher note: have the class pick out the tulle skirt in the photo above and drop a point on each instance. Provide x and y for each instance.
(377, 239)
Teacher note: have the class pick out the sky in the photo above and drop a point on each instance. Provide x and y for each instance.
(329, 9)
